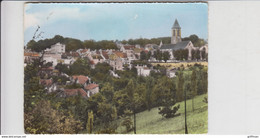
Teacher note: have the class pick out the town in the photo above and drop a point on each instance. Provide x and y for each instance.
(98, 86)
(119, 59)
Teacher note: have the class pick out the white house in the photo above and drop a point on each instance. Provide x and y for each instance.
(56, 48)
(143, 70)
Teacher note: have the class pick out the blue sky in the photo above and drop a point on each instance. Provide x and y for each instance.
(114, 21)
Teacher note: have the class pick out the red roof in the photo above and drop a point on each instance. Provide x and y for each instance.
(120, 54)
(82, 79)
(92, 62)
(84, 50)
(49, 68)
(46, 82)
(32, 54)
(73, 92)
(105, 54)
(91, 86)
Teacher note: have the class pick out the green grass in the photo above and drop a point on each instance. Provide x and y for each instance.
(150, 122)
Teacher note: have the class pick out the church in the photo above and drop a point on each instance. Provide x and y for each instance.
(176, 42)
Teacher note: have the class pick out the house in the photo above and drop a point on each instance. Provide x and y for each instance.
(143, 70)
(80, 79)
(129, 50)
(46, 71)
(30, 56)
(92, 89)
(116, 60)
(52, 58)
(57, 48)
(48, 85)
(74, 92)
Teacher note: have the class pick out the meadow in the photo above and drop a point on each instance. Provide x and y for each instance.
(150, 122)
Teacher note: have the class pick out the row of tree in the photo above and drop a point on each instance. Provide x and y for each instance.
(72, 44)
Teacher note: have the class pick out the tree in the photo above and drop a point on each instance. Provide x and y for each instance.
(166, 56)
(149, 85)
(80, 67)
(107, 113)
(193, 86)
(180, 86)
(43, 119)
(127, 121)
(108, 91)
(143, 56)
(90, 122)
(130, 93)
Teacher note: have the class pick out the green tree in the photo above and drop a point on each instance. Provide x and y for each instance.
(166, 56)
(90, 122)
(180, 86)
(149, 86)
(130, 93)
(108, 91)
(127, 121)
(43, 119)
(193, 86)
(143, 56)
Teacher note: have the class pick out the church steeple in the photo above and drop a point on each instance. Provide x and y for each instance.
(176, 33)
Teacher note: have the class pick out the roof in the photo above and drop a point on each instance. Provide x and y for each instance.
(82, 79)
(180, 45)
(73, 92)
(31, 54)
(129, 47)
(49, 68)
(83, 50)
(138, 50)
(96, 56)
(120, 54)
(104, 53)
(46, 82)
(91, 86)
(176, 25)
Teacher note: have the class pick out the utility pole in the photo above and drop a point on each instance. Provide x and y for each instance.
(186, 129)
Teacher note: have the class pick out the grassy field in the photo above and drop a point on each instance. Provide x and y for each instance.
(150, 122)
(176, 65)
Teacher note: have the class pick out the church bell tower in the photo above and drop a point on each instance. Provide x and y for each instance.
(176, 33)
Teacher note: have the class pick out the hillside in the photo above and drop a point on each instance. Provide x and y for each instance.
(150, 122)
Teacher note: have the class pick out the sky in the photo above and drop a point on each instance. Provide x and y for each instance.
(114, 21)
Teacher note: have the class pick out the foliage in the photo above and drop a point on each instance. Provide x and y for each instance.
(72, 44)
(43, 119)
(127, 121)
(80, 67)
(90, 122)
(166, 56)
(181, 54)
(108, 91)
(197, 42)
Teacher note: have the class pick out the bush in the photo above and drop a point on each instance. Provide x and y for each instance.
(169, 112)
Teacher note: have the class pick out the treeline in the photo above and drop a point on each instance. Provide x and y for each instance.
(197, 42)
(122, 97)
(72, 44)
